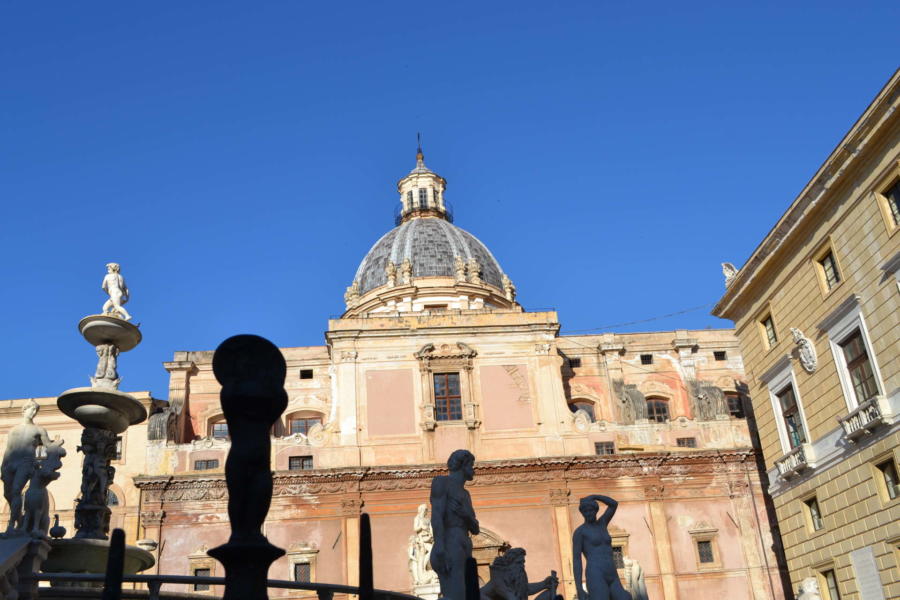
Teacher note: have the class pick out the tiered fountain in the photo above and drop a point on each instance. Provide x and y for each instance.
(104, 412)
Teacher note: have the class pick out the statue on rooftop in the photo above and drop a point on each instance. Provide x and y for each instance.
(730, 272)
(452, 520)
(19, 462)
(592, 540)
(459, 268)
(114, 285)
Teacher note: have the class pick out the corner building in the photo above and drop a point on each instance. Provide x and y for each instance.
(816, 308)
(434, 353)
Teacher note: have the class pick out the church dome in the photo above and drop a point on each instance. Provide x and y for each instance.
(432, 245)
(426, 262)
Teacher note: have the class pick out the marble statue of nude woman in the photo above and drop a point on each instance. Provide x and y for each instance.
(592, 539)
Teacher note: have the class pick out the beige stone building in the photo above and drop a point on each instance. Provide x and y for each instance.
(435, 353)
(817, 308)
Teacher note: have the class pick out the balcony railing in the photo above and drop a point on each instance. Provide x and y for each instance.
(797, 460)
(863, 420)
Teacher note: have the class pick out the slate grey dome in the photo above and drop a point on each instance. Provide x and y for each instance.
(432, 245)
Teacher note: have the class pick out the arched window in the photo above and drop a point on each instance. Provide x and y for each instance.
(585, 405)
(302, 422)
(111, 498)
(657, 410)
(218, 429)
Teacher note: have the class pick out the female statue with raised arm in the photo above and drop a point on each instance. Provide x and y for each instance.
(592, 539)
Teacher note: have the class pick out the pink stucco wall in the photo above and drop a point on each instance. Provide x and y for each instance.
(390, 406)
(506, 399)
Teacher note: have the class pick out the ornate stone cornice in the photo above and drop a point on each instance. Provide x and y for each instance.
(185, 488)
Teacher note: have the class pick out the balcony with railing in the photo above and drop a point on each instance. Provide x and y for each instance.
(867, 417)
(796, 461)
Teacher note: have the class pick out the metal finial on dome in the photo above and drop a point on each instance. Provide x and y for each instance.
(420, 156)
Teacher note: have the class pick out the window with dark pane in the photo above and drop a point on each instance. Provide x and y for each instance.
(304, 424)
(862, 377)
(118, 447)
(201, 587)
(220, 430)
(893, 200)
(587, 407)
(646, 359)
(604, 448)
(791, 415)
(111, 498)
(657, 410)
(447, 398)
(409, 199)
(705, 551)
(205, 465)
(769, 326)
(720, 355)
(618, 557)
(735, 405)
(423, 197)
(815, 515)
(574, 363)
(300, 463)
(889, 474)
(686, 442)
(829, 268)
(306, 373)
(302, 572)
(831, 584)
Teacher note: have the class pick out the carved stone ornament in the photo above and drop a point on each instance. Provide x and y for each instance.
(581, 420)
(654, 492)
(809, 589)
(730, 272)
(152, 518)
(209, 442)
(542, 349)
(559, 497)
(351, 296)
(806, 351)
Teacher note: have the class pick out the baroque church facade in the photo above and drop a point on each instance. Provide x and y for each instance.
(434, 353)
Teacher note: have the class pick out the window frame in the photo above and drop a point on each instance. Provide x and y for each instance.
(839, 326)
(448, 397)
(815, 520)
(212, 430)
(817, 262)
(688, 442)
(664, 402)
(588, 406)
(769, 341)
(646, 359)
(306, 374)
(706, 534)
(776, 379)
(888, 180)
(824, 588)
(303, 461)
(207, 464)
(297, 418)
(720, 355)
(884, 493)
(738, 399)
(605, 444)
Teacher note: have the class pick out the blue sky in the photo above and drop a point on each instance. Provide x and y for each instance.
(239, 159)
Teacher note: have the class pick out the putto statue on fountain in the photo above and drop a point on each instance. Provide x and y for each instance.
(114, 285)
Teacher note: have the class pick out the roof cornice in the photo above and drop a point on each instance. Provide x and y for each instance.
(842, 158)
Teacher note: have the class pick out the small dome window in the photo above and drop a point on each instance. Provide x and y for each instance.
(423, 198)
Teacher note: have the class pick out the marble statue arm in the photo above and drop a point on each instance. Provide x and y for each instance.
(576, 563)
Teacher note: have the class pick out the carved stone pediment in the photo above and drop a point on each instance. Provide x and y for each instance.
(458, 351)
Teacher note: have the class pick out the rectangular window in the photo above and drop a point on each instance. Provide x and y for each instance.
(769, 327)
(791, 415)
(657, 411)
(306, 373)
(220, 431)
(831, 585)
(720, 355)
(830, 270)
(815, 516)
(118, 447)
(447, 398)
(893, 201)
(705, 551)
(603, 448)
(862, 377)
(646, 359)
(423, 198)
(889, 475)
(735, 405)
(302, 572)
(303, 425)
(201, 587)
(686, 442)
(205, 465)
(300, 463)
(618, 557)
(574, 363)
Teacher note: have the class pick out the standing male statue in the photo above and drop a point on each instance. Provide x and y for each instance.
(592, 539)
(452, 520)
(114, 285)
(19, 462)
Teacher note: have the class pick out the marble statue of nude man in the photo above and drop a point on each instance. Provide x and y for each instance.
(114, 285)
(592, 539)
(452, 520)
(19, 462)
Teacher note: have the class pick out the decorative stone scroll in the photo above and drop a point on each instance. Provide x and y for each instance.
(806, 351)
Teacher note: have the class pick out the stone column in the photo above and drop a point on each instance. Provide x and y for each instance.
(654, 495)
(151, 523)
(559, 502)
(180, 372)
(350, 510)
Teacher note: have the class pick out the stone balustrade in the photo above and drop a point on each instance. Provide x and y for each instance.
(864, 419)
(797, 460)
